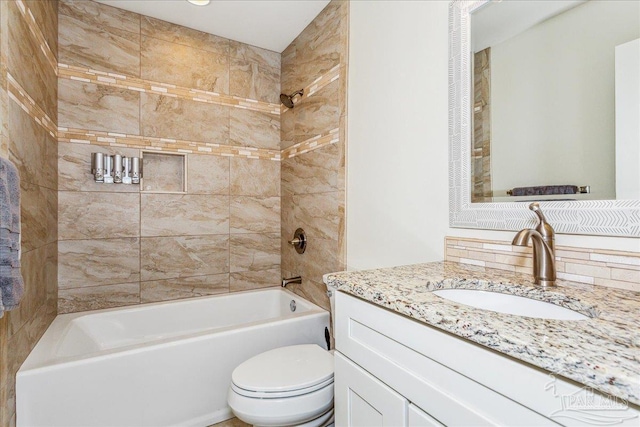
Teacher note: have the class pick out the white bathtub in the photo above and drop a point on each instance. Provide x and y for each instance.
(164, 364)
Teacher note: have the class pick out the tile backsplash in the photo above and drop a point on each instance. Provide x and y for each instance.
(615, 269)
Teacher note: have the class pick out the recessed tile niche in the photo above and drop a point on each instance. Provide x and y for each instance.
(164, 172)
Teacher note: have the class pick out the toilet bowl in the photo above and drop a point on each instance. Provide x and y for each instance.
(287, 386)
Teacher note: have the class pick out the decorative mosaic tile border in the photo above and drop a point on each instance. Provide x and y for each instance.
(83, 136)
(88, 75)
(311, 144)
(614, 269)
(29, 105)
(318, 84)
(38, 35)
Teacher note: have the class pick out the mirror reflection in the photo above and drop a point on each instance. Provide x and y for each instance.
(556, 100)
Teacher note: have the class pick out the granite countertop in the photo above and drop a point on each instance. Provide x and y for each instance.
(602, 352)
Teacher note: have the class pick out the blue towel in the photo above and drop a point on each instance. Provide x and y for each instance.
(11, 282)
(9, 196)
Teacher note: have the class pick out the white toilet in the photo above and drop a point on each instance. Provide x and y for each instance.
(287, 386)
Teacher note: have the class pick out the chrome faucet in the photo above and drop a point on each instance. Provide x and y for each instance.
(289, 280)
(543, 242)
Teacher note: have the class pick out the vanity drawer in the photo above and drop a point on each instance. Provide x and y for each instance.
(384, 343)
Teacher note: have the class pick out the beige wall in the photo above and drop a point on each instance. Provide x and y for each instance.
(313, 183)
(28, 112)
(122, 245)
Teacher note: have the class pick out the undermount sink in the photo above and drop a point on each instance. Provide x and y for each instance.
(509, 304)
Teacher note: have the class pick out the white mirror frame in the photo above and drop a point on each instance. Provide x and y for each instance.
(592, 217)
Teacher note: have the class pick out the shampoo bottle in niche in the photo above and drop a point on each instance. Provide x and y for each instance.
(126, 170)
(117, 169)
(97, 166)
(108, 169)
(136, 172)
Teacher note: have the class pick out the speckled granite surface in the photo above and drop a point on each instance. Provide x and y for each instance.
(602, 352)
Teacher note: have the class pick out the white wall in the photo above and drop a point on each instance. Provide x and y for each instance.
(397, 166)
(628, 120)
(552, 100)
(397, 198)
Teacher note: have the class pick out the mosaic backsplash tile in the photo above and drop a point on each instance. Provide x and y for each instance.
(614, 269)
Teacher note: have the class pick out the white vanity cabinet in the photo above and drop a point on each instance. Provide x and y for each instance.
(391, 370)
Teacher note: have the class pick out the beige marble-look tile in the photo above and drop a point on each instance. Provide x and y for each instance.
(46, 15)
(39, 213)
(252, 177)
(325, 38)
(31, 149)
(99, 37)
(36, 76)
(318, 214)
(250, 80)
(84, 263)
(248, 280)
(183, 214)
(173, 33)
(74, 168)
(169, 117)
(263, 57)
(318, 114)
(181, 65)
(255, 214)
(98, 297)
(287, 128)
(254, 129)
(314, 172)
(185, 287)
(91, 215)
(163, 172)
(184, 256)
(98, 107)
(250, 252)
(207, 174)
(33, 266)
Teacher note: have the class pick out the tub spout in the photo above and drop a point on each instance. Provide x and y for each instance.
(286, 281)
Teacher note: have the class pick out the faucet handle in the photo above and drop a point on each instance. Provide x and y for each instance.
(544, 228)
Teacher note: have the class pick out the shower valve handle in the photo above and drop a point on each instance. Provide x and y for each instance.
(299, 241)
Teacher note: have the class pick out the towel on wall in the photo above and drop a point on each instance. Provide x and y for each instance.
(544, 190)
(11, 282)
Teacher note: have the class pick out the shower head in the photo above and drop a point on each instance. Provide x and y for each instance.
(287, 100)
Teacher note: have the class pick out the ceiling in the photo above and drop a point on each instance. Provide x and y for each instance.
(498, 21)
(269, 24)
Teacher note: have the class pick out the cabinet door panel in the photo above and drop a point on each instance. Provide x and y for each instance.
(363, 401)
(419, 418)
(398, 351)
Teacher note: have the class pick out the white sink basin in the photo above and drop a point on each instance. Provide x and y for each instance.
(509, 304)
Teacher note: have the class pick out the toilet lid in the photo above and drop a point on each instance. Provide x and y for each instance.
(285, 369)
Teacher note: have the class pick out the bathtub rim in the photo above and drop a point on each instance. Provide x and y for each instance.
(40, 361)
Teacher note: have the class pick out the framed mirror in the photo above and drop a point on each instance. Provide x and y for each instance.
(527, 117)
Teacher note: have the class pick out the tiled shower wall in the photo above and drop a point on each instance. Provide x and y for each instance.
(313, 185)
(28, 111)
(129, 83)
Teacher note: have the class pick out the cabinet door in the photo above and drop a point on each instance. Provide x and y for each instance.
(363, 401)
(419, 418)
